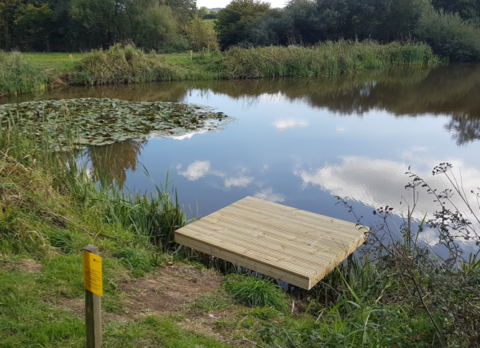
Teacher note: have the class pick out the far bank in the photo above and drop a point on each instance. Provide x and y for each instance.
(33, 72)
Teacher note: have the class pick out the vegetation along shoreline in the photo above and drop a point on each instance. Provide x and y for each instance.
(127, 64)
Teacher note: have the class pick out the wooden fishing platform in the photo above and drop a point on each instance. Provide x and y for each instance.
(290, 244)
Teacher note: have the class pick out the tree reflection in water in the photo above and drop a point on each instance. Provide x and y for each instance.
(112, 162)
(404, 92)
(465, 129)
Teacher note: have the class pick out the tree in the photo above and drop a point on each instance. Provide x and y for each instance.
(8, 9)
(203, 11)
(232, 20)
(351, 19)
(200, 35)
(32, 25)
(183, 10)
(305, 20)
(467, 9)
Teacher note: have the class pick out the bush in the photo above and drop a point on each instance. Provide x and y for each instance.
(256, 292)
(120, 64)
(450, 36)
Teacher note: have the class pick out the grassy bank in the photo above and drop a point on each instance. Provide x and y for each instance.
(157, 294)
(127, 65)
(20, 75)
(130, 65)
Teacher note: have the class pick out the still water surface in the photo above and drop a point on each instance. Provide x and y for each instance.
(301, 142)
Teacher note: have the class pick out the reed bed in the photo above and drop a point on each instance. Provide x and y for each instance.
(62, 182)
(130, 65)
(120, 64)
(329, 58)
(20, 75)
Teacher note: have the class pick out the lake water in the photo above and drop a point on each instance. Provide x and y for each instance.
(302, 142)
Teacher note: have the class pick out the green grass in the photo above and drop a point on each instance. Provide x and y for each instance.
(209, 22)
(48, 212)
(60, 62)
(20, 75)
(256, 292)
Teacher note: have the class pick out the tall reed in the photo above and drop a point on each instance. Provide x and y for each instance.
(129, 64)
(329, 58)
(19, 75)
(120, 64)
(151, 216)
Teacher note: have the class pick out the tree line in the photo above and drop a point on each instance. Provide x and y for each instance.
(450, 27)
(72, 25)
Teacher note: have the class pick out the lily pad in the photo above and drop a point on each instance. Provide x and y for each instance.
(90, 121)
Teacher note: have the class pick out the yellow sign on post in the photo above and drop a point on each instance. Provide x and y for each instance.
(92, 273)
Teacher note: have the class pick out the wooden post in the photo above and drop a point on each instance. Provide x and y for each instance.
(93, 311)
(191, 55)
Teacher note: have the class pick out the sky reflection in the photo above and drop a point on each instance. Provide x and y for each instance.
(301, 142)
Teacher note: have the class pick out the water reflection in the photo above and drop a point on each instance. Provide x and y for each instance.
(465, 128)
(381, 182)
(446, 90)
(301, 142)
(113, 161)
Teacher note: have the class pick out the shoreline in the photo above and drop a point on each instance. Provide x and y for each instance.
(114, 66)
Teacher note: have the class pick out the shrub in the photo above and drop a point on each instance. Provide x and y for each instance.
(450, 36)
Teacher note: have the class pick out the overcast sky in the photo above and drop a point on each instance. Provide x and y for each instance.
(223, 3)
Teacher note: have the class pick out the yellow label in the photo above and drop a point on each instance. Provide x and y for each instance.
(92, 273)
(69, 56)
(190, 51)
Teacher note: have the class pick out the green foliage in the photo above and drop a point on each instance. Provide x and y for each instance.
(32, 26)
(450, 36)
(146, 23)
(67, 241)
(232, 19)
(102, 121)
(255, 291)
(352, 324)
(120, 64)
(328, 58)
(20, 75)
(201, 35)
(467, 9)
(61, 25)
(137, 259)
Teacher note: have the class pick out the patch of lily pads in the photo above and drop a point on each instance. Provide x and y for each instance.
(90, 121)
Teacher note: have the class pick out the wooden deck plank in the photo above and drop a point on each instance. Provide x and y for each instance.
(290, 244)
(280, 261)
(267, 242)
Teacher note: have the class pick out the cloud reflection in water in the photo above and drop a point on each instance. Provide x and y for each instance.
(377, 182)
(288, 123)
